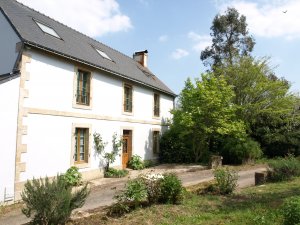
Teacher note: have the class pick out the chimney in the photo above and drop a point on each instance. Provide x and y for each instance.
(141, 57)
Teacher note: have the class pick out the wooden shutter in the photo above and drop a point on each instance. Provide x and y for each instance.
(86, 145)
(156, 104)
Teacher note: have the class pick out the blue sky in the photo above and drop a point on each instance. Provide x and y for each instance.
(175, 31)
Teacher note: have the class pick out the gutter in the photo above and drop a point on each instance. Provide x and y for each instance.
(28, 43)
(9, 76)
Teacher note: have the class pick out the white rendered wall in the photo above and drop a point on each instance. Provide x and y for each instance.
(8, 40)
(9, 96)
(49, 138)
(51, 87)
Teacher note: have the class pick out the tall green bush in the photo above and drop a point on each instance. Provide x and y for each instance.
(174, 148)
(237, 151)
(51, 202)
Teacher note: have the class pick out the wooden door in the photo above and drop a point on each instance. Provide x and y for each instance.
(126, 148)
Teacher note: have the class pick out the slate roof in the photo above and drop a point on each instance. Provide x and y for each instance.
(75, 45)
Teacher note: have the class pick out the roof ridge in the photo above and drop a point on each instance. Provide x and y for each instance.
(72, 29)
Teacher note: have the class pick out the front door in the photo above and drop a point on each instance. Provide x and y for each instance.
(127, 147)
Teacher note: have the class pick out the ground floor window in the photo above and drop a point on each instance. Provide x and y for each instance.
(155, 142)
(81, 145)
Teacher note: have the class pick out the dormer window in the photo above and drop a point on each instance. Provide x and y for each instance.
(103, 54)
(48, 30)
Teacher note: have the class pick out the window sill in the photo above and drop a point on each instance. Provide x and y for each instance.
(127, 113)
(78, 106)
(81, 165)
(156, 117)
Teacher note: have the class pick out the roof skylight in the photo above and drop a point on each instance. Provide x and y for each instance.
(47, 29)
(103, 54)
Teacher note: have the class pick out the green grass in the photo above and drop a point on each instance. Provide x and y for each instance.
(255, 205)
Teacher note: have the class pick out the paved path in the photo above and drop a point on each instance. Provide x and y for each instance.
(103, 190)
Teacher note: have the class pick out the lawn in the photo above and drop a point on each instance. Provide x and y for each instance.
(255, 205)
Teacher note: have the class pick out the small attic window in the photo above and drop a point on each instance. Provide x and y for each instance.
(47, 29)
(103, 54)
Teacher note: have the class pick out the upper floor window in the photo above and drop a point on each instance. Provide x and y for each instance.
(156, 105)
(127, 98)
(81, 145)
(83, 87)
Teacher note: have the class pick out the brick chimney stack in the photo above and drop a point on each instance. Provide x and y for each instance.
(141, 57)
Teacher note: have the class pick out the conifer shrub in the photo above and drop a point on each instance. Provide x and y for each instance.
(51, 202)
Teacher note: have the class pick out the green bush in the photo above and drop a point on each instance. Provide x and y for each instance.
(173, 148)
(171, 189)
(135, 193)
(291, 211)
(114, 173)
(282, 169)
(146, 190)
(73, 177)
(51, 202)
(148, 163)
(226, 180)
(236, 151)
(136, 163)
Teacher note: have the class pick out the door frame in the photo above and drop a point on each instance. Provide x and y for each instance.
(130, 135)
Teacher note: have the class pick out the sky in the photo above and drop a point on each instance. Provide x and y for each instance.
(176, 31)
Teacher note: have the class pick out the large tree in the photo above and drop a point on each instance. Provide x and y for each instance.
(206, 111)
(230, 38)
(270, 112)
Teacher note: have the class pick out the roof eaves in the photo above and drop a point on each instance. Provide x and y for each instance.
(29, 43)
(9, 76)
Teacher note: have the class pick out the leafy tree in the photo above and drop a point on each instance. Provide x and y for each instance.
(206, 111)
(257, 90)
(269, 110)
(230, 38)
(279, 136)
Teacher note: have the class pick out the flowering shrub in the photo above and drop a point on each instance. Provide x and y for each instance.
(152, 182)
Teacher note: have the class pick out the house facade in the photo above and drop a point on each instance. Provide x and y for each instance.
(57, 88)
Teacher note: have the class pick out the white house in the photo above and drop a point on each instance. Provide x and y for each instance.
(58, 87)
